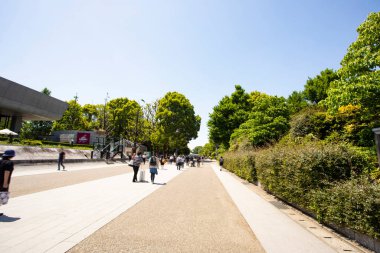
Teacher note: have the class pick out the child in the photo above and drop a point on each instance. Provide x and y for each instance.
(153, 166)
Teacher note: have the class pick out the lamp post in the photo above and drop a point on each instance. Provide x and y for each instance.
(137, 122)
(104, 112)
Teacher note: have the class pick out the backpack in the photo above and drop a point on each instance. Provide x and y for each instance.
(152, 161)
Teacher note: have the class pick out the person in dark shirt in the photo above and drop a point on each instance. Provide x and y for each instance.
(61, 158)
(137, 160)
(6, 169)
(221, 161)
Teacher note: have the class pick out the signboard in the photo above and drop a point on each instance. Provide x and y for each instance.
(66, 138)
(83, 138)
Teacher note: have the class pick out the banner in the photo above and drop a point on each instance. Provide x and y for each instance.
(83, 138)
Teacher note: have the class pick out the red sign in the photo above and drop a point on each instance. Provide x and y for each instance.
(83, 138)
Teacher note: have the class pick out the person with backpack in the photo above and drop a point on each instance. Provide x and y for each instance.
(221, 161)
(153, 167)
(6, 169)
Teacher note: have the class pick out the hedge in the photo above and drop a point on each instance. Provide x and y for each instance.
(354, 204)
(328, 180)
(290, 171)
(242, 164)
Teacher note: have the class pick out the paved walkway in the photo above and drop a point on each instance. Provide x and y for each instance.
(187, 211)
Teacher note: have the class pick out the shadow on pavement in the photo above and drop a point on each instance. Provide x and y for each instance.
(5, 218)
(159, 183)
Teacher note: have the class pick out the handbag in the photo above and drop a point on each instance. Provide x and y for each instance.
(130, 163)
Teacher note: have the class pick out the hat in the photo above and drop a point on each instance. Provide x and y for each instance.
(9, 153)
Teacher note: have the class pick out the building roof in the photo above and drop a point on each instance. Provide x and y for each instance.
(21, 101)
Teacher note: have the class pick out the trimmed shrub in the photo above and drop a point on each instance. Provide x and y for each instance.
(241, 164)
(291, 171)
(354, 204)
(31, 142)
(65, 144)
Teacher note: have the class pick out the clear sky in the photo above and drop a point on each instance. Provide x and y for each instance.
(201, 48)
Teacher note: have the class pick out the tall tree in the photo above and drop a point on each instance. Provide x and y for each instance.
(296, 102)
(72, 118)
(90, 113)
(124, 118)
(316, 88)
(150, 125)
(227, 116)
(359, 82)
(268, 121)
(177, 122)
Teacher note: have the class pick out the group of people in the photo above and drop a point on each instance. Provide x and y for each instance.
(154, 164)
(7, 167)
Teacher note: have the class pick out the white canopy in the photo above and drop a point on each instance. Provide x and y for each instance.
(7, 132)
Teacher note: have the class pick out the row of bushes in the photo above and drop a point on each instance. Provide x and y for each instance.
(325, 179)
(50, 143)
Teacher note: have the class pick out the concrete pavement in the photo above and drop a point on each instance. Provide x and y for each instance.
(58, 219)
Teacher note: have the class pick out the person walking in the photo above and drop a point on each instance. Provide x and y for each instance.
(153, 167)
(6, 169)
(61, 158)
(221, 161)
(137, 160)
(179, 162)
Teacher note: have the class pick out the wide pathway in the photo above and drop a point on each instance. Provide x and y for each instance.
(194, 210)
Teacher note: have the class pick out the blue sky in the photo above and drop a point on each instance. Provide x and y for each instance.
(143, 49)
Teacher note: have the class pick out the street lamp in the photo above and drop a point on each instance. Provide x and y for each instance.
(104, 112)
(137, 122)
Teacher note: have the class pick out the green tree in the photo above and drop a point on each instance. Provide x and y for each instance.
(72, 118)
(125, 117)
(150, 125)
(90, 114)
(296, 102)
(208, 150)
(177, 122)
(359, 82)
(46, 91)
(268, 121)
(228, 115)
(358, 85)
(197, 150)
(316, 88)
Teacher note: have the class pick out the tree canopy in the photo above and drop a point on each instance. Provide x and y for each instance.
(177, 123)
(316, 88)
(268, 121)
(72, 118)
(359, 82)
(228, 115)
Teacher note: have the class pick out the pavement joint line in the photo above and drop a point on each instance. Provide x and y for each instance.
(85, 205)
